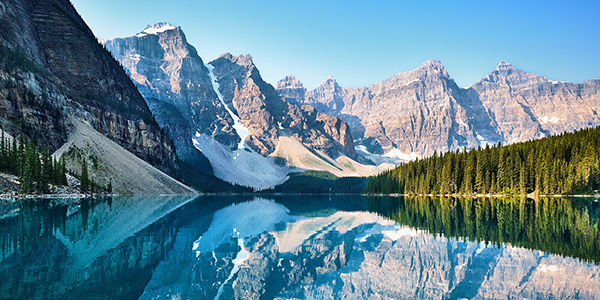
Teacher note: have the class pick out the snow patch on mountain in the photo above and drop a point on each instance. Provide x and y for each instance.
(362, 148)
(382, 162)
(482, 141)
(243, 167)
(403, 156)
(156, 29)
(547, 119)
(242, 131)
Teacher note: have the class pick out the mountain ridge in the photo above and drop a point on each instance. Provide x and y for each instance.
(236, 119)
(404, 114)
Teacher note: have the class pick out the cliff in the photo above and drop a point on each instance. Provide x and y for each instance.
(63, 73)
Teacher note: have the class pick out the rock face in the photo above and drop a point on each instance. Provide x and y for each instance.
(423, 110)
(62, 72)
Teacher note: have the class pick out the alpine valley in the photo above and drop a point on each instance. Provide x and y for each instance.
(255, 134)
(287, 211)
(150, 116)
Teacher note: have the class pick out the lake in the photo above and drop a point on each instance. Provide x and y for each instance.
(302, 247)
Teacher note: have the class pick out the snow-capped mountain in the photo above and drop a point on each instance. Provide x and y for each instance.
(227, 111)
(417, 112)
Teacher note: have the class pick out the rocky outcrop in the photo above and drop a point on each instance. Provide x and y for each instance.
(423, 110)
(63, 73)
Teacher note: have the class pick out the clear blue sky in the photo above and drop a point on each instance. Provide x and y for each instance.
(363, 42)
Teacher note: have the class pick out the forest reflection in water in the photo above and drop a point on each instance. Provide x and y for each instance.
(558, 225)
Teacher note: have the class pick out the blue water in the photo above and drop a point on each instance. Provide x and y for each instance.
(303, 247)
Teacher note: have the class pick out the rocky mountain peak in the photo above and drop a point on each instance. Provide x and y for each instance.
(503, 66)
(328, 83)
(289, 82)
(507, 74)
(290, 88)
(242, 60)
(433, 66)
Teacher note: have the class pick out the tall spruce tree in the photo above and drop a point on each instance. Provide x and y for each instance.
(85, 182)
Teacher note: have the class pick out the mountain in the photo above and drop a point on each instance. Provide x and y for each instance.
(418, 112)
(251, 135)
(54, 74)
(526, 106)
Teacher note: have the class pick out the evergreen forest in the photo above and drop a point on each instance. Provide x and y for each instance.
(565, 164)
(35, 168)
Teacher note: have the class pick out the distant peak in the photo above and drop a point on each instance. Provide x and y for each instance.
(226, 55)
(432, 67)
(328, 80)
(433, 63)
(289, 81)
(503, 65)
(156, 29)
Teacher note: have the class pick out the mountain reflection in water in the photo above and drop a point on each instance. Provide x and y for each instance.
(302, 247)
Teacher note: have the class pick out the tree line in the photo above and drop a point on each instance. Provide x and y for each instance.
(35, 168)
(568, 163)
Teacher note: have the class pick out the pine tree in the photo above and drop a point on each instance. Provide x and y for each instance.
(522, 178)
(479, 175)
(21, 155)
(63, 172)
(26, 176)
(84, 176)
(3, 155)
(36, 168)
(446, 176)
(14, 158)
(469, 171)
